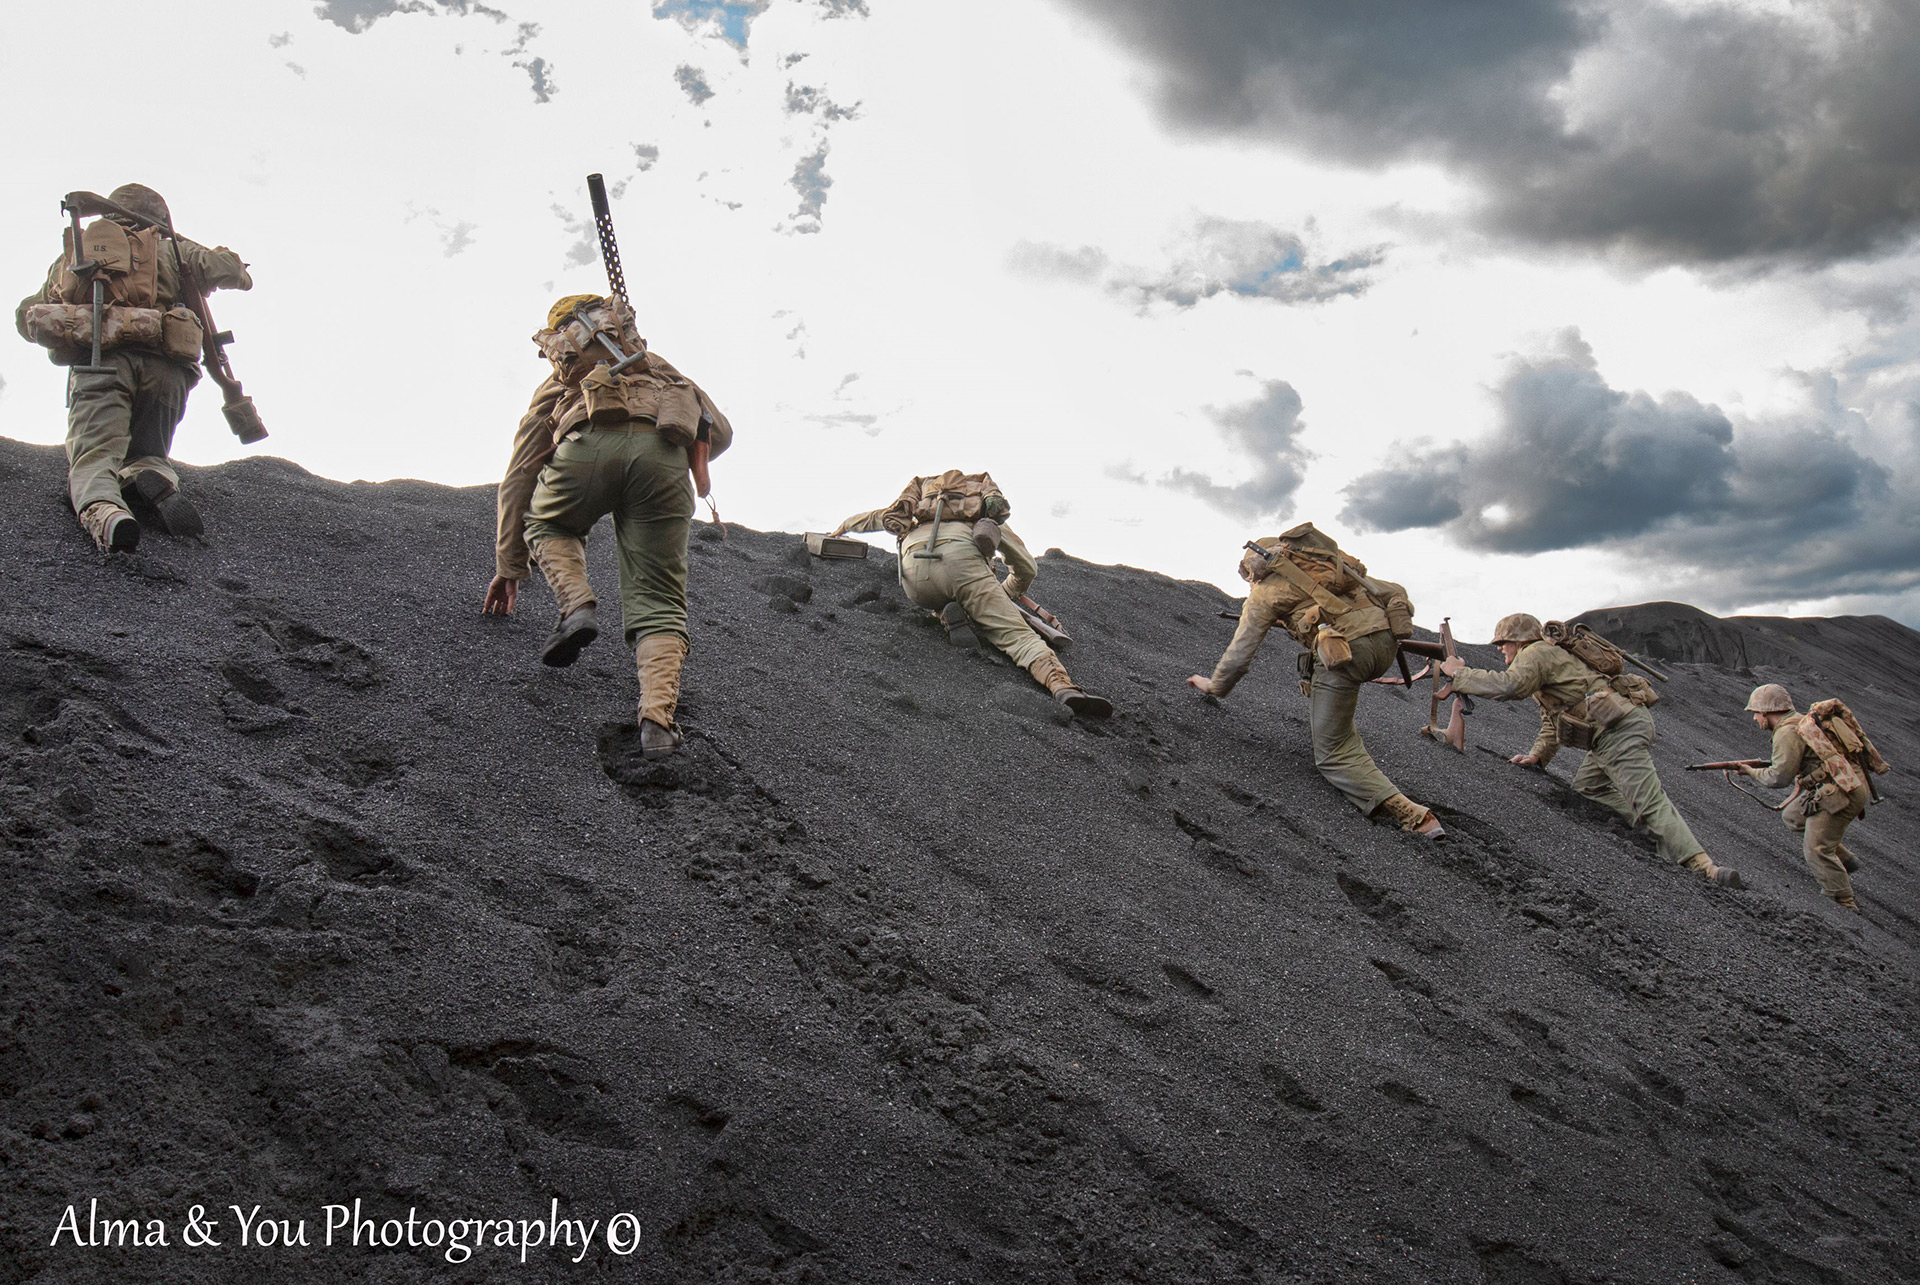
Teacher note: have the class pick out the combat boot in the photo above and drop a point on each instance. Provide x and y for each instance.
(570, 636)
(953, 617)
(113, 529)
(659, 657)
(161, 503)
(1702, 864)
(1412, 817)
(1052, 675)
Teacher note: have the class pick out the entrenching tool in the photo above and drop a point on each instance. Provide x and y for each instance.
(238, 408)
(90, 269)
(699, 452)
(929, 554)
(1454, 730)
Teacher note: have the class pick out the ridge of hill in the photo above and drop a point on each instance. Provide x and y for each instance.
(323, 889)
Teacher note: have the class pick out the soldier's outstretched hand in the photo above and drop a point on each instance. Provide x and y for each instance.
(500, 597)
(1199, 682)
(1526, 760)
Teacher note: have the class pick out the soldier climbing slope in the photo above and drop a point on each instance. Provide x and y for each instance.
(948, 526)
(1583, 708)
(124, 407)
(1351, 626)
(596, 442)
(1831, 789)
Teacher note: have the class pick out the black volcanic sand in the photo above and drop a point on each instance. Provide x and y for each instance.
(322, 888)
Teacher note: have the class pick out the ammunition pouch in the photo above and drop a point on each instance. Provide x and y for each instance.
(66, 329)
(1303, 662)
(1574, 732)
(180, 334)
(1332, 649)
(606, 399)
(1635, 688)
(1831, 798)
(1605, 707)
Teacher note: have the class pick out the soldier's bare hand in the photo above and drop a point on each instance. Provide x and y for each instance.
(1526, 760)
(500, 598)
(1452, 665)
(1200, 683)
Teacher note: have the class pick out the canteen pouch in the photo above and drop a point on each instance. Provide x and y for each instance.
(1606, 707)
(180, 334)
(1332, 648)
(1575, 733)
(606, 400)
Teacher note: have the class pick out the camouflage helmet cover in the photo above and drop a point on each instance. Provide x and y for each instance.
(1770, 698)
(1517, 628)
(142, 199)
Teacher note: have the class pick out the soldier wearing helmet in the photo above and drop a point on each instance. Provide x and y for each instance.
(595, 442)
(121, 417)
(1819, 809)
(1579, 700)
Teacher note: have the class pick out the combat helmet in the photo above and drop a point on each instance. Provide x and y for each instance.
(1517, 628)
(142, 199)
(1770, 698)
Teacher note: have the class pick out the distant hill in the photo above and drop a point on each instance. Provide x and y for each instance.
(321, 888)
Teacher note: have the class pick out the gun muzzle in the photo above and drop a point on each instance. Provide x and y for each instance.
(244, 420)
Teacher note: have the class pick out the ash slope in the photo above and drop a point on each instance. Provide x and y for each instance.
(322, 887)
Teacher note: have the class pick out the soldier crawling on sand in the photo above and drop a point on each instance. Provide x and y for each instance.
(125, 312)
(595, 442)
(1825, 755)
(1584, 707)
(948, 526)
(1351, 626)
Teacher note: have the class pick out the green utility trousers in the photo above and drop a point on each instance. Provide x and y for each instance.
(959, 574)
(1826, 855)
(643, 482)
(1338, 750)
(122, 422)
(1619, 773)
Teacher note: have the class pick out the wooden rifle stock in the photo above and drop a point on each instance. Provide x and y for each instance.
(1728, 765)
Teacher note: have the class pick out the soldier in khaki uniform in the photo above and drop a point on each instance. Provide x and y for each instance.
(1369, 645)
(121, 420)
(948, 526)
(1819, 808)
(594, 443)
(1618, 771)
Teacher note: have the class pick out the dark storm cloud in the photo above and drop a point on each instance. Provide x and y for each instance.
(1773, 509)
(1714, 133)
(1267, 432)
(1217, 256)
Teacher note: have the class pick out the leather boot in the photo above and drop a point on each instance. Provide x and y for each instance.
(160, 500)
(570, 636)
(1052, 675)
(953, 617)
(1412, 817)
(113, 529)
(1702, 864)
(659, 657)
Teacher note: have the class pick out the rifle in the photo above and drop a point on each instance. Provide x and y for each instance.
(701, 449)
(1728, 765)
(242, 418)
(1728, 768)
(1454, 730)
(1042, 622)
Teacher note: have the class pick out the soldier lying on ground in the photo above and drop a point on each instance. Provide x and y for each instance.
(594, 443)
(1325, 600)
(1580, 704)
(122, 417)
(948, 526)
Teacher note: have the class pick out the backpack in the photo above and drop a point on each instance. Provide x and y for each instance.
(1831, 731)
(1601, 656)
(1337, 582)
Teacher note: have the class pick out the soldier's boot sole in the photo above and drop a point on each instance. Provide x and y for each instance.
(575, 630)
(1727, 877)
(656, 742)
(123, 534)
(1084, 704)
(953, 618)
(172, 512)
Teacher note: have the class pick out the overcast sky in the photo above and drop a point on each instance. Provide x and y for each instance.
(1534, 304)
